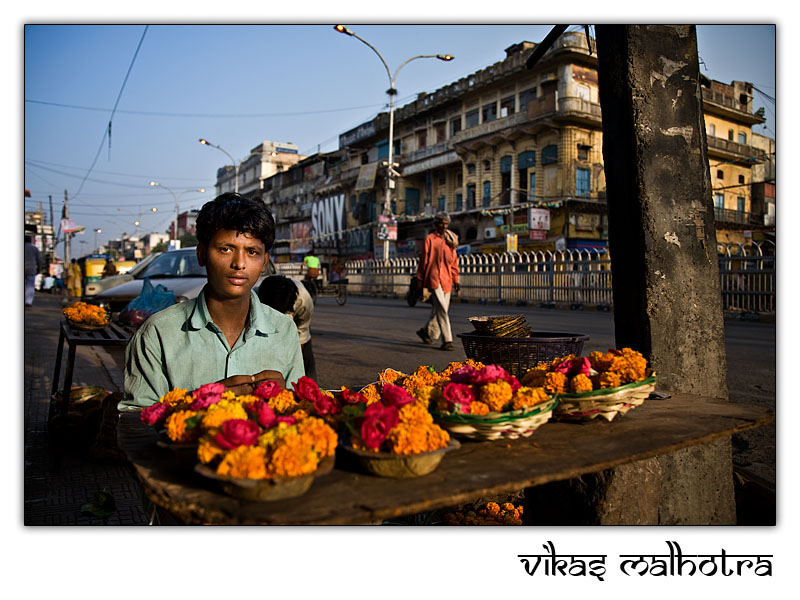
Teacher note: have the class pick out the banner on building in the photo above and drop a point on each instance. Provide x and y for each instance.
(538, 235)
(300, 242)
(328, 220)
(68, 226)
(511, 242)
(366, 177)
(539, 219)
(387, 228)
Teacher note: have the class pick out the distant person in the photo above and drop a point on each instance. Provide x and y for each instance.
(74, 277)
(109, 270)
(438, 272)
(57, 271)
(290, 297)
(34, 265)
(48, 284)
(311, 267)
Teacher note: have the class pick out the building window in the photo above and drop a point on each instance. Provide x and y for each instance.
(441, 204)
(412, 201)
(742, 138)
(740, 203)
(719, 200)
(730, 134)
(525, 97)
(455, 125)
(471, 119)
(422, 139)
(487, 165)
(398, 147)
(383, 150)
(712, 130)
(470, 196)
(487, 193)
(459, 179)
(489, 112)
(459, 202)
(549, 154)
(583, 92)
(720, 174)
(741, 178)
(582, 182)
(507, 107)
(441, 133)
(470, 168)
(583, 151)
(532, 188)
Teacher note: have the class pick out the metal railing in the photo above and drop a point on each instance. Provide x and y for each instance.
(571, 277)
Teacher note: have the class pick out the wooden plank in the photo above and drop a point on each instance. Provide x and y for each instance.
(346, 496)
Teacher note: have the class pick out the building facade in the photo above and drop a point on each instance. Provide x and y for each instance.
(264, 161)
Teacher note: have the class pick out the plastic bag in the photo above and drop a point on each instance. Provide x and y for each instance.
(151, 300)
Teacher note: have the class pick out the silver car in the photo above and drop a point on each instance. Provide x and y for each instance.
(176, 270)
(100, 285)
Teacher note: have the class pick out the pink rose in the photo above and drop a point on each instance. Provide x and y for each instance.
(288, 419)
(325, 405)
(458, 396)
(155, 414)
(263, 413)
(466, 374)
(492, 374)
(577, 366)
(206, 395)
(307, 389)
(267, 390)
(377, 422)
(351, 397)
(394, 395)
(237, 432)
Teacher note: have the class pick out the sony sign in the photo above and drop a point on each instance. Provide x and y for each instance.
(328, 218)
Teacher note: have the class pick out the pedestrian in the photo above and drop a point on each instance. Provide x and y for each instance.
(225, 335)
(74, 277)
(34, 265)
(290, 297)
(311, 266)
(48, 284)
(109, 270)
(438, 272)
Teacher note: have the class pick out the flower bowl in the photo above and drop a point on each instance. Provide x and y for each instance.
(399, 466)
(605, 403)
(259, 490)
(498, 425)
(86, 326)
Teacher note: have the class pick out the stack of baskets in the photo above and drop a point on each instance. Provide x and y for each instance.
(508, 341)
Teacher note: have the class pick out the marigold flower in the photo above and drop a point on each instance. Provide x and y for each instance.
(608, 380)
(176, 427)
(322, 437)
(478, 408)
(371, 393)
(292, 457)
(176, 397)
(90, 314)
(208, 449)
(580, 383)
(283, 402)
(555, 383)
(526, 397)
(496, 395)
(215, 417)
(246, 462)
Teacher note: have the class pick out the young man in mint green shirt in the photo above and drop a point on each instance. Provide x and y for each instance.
(226, 334)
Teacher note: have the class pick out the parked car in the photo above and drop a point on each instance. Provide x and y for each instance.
(176, 270)
(100, 285)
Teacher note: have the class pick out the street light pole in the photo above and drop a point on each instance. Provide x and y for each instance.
(235, 162)
(175, 196)
(392, 92)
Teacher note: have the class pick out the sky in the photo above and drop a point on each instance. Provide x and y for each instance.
(162, 87)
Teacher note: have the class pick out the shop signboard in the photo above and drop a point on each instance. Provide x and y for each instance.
(539, 219)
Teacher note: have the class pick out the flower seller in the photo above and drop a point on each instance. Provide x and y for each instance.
(225, 335)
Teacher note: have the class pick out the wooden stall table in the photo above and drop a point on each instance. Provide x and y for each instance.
(345, 496)
(113, 334)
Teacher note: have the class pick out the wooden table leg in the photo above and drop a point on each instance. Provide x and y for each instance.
(67, 385)
(59, 353)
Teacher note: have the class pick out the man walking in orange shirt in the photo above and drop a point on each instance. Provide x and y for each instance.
(438, 271)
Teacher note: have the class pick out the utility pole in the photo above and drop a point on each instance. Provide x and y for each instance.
(67, 236)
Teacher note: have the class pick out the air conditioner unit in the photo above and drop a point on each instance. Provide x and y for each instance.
(489, 232)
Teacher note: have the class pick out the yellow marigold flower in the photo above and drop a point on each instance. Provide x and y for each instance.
(244, 399)
(283, 402)
(555, 383)
(534, 377)
(372, 394)
(600, 361)
(608, 380)
(526, 396)
(580, 383)
(558, 360)
(81, 312)
(293, 456)
(322, 437)
(415, 412)
(175, 397)
(300, 414)
(495, 395)
(208, 449)
(478, 408)
(215, 416)
(424, 394)
(245, 462)
(492, 508)
(273, 435)
(176, 427)
(389, 375)
(228, 395)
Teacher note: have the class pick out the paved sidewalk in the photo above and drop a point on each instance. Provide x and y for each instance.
(55, 490)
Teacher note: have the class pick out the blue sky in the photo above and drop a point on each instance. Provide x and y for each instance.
(237, 85)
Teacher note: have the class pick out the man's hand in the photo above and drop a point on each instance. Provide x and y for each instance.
(457, 287)
(245, 384)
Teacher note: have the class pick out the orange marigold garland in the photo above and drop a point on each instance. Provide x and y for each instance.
(90, 314)
(490, 513)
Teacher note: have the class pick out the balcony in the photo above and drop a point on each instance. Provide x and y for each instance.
(733, 150)
(738, 219)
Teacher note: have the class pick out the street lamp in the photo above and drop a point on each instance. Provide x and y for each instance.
(96, 231)
(235, 162)
(175, 196)
(392, 92)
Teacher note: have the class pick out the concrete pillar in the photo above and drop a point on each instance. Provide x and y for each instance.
(667, 301)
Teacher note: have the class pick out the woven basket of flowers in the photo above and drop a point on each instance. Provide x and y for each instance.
(88, 317)
(242, 443)
(603, 385)
(489, 403)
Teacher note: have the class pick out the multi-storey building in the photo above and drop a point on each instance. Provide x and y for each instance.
(264, 161)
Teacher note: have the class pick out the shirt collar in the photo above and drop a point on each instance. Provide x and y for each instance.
(259, 322)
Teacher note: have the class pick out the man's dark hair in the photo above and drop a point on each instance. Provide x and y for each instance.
(278, 292)
(236, 213)
(27, 239)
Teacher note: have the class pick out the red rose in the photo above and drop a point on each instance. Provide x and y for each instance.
(325, 405)
(578, 366)
(267, 390)
(466, 374)
(458, 396)
(394, 395)
(237, 432)
(307, 389)
(377, 422)
(351, 397)
(288, 419)
(155, 414)
(263, 413)
(492, 374)
(206, 395)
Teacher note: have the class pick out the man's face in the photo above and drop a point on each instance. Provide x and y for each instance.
(441, 225)
(233, 261)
